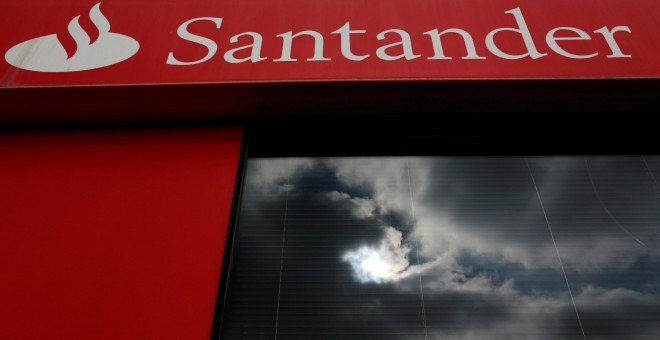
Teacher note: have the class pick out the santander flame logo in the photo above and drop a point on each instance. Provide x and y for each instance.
(47, 54)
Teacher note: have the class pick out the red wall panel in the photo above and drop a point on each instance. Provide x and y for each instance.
(115, 234)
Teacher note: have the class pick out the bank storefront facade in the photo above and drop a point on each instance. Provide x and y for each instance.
(295, 169)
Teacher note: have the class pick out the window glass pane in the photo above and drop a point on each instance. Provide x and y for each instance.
(447, 247)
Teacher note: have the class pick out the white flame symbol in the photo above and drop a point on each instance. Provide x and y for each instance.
(46, 53)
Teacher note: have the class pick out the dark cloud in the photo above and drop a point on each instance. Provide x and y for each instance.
(619, 313)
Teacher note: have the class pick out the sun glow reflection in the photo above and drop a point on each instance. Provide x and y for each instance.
(375, 265)
(387, 263)
(369, 265)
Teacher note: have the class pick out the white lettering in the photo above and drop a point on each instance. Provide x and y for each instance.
(288, 42)
(255, 55)
(345, 34)
(210, 45)
(405, 43)
(551, 39)
(609, 38)
(523, 31)
(437, 44)
(399, 43)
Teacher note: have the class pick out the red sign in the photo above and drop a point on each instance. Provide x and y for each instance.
(81, 42)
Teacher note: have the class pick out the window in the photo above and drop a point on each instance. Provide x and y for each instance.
(446, 247)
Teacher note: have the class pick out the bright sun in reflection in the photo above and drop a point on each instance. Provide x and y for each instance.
(383, 264)
(369, 266)
(375, 266)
